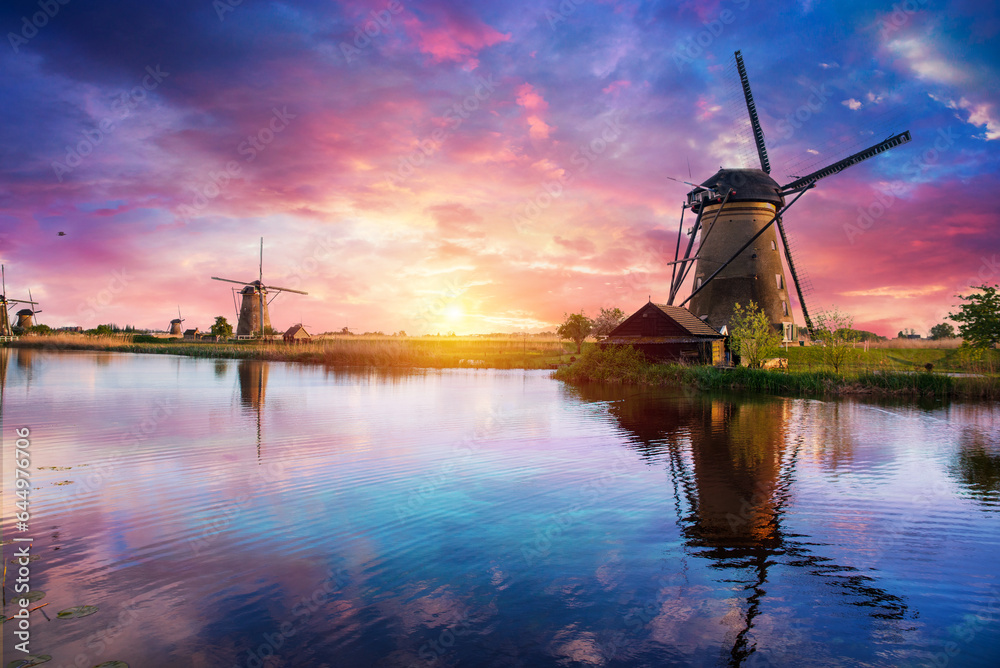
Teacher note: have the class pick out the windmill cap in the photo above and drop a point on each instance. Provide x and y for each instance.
(251, 288)
(747, 185)
(26, 311)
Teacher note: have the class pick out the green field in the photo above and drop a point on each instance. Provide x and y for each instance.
(906, 378)
(891, 359)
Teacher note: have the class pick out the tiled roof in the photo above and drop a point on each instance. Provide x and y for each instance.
(683, 317)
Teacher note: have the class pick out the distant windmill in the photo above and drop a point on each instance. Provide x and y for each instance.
(26, 317)
(253, 315)
(740, 262)
(5, 304)
(175, 324)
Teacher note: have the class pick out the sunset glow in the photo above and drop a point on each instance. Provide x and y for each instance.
(480, 167)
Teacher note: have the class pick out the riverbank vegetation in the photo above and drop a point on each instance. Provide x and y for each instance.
(628, 366)
(513, 352)
(878, 370)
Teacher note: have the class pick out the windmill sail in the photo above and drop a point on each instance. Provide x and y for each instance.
(252, 312)
(758, 134)
(841, 165)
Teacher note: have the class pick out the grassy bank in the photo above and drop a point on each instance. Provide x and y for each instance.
(915, 358)
(429, 352)
(626, 365)
(891, 371)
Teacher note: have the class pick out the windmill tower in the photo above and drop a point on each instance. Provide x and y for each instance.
(175, 324)
(5, 304)
(24, 318)
(253, 315)
(738, 257)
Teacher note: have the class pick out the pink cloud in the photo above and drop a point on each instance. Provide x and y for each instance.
(534, 105)
(451, 37)
(615, 86)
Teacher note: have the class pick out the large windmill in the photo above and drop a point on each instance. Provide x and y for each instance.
(5, 304)
(253, 315)
(740, 261)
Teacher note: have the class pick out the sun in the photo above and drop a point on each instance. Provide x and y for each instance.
(454, 313)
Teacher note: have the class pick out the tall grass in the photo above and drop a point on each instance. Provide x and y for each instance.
(859, 360)
(626, 365)
(474, 352)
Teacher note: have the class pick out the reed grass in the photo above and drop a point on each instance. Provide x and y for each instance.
(628, 366)
(432, 352)
(883, 372)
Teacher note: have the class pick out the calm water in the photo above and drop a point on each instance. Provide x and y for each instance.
(223, 513)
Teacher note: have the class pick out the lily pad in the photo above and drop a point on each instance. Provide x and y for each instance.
(33, 595)
(29, 660)
(112, 664)
(34, 557)
(77, 611)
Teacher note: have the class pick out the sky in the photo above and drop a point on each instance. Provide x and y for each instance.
(481, 167)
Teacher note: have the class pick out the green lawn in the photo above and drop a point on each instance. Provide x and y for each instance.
(888, 359)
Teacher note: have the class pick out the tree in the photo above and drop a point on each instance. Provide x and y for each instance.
(607, 321)
(836, 331)
(221, 328)
(751, 335)
(577, 327)
(103, 330)
(942, 331)
(979, 318)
